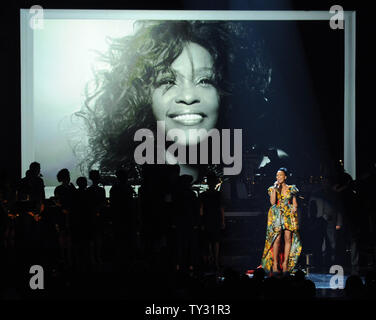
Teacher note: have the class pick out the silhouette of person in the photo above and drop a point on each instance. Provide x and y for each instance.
(97, 203)
(80, 226)
(31, 188)
(64, 194)
(123, 217)
(212, 212)
(365, 190)
(186, 220)
(169, 209)
(155, 220)
(330, 215)
(30, 195)
(37, 184)
(7, 213)
(345, 189)
(158, 204)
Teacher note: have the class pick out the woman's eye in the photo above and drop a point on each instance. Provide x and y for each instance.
(166, 82)
(205, 81)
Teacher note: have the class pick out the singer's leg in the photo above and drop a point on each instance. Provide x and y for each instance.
(287, 250)
(275, 249)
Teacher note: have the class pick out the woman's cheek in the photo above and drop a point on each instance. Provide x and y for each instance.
(212, 102)
(159, 104)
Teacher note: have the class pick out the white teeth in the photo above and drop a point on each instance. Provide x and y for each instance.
(188, 117)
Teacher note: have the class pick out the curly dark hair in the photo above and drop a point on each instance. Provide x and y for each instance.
(120, 102)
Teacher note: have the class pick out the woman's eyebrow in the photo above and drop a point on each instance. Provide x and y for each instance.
(203, 70)
(168, 72)
(198, 71)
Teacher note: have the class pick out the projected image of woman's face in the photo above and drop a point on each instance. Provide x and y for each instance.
(185, 97)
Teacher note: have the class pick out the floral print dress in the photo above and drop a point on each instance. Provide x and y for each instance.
(281, 217)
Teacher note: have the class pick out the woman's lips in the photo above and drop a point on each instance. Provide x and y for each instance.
(188, 119)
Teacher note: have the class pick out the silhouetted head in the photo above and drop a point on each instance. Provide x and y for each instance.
(339, 168)
(299, 275)
(81, 182)
(94, 176)
(122, 175)
(63, 176)
(34, 169)
(259, 274)
(309, 289)
(354, 286)
(28, 174)
(212, 180)
(173, 172)
(185, 180)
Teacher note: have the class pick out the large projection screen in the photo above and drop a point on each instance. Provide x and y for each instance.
(57, 62)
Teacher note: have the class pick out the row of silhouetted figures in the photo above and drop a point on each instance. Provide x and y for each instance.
(163, 241)
(168, 225)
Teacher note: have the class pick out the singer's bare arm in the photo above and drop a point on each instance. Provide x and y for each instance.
(273, 196)
(294, 204)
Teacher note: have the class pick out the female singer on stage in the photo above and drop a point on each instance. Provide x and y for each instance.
(282, 244)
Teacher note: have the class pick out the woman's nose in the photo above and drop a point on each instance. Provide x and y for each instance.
(187, 95)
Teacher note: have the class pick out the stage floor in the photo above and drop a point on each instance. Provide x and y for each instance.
(323, 288)
(322, 281)
(323, 285)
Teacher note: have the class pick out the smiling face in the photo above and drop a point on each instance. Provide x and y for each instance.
(185, 96)
(281, 176)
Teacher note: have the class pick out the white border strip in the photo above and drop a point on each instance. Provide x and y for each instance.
(349, 102)
(27, 90)
(184, 14)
